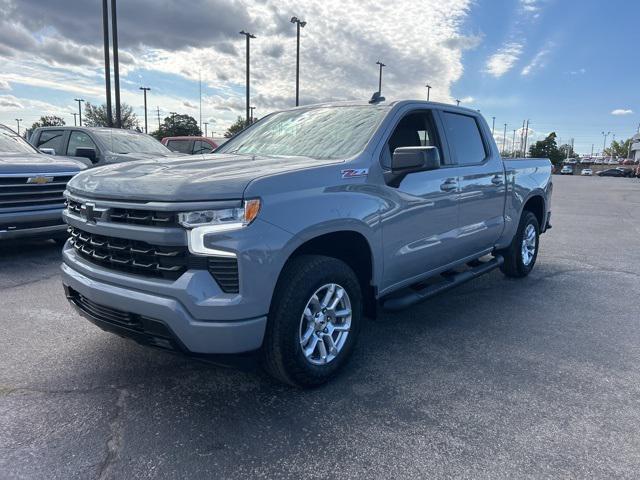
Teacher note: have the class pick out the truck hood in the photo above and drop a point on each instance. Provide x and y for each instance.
(136, 156)
(36, 163)
(184, 179)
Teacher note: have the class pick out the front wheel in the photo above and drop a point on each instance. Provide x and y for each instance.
(521, 255)
(314, 321)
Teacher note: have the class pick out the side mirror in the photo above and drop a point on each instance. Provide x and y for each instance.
(89, 153)
(48, 151)
(407, 160)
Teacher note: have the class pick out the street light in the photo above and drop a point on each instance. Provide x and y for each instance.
(79, 100)
(205, 128)
(248, 36)
(116, 64)
(299, 24)
(145, 90)
(380, 76)
(18, 120)
(251, 117)
(75, 119)
(428, 91)
(493, 125)
(457, 102)
(604, 145)
(107, 72)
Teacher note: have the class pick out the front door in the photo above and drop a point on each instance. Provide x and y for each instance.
(420, 221)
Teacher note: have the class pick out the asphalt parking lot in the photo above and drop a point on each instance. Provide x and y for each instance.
(497, 379)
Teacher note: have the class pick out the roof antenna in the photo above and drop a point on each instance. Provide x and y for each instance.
(376, 98)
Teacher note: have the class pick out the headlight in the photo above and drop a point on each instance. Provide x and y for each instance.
(203, 222)
(225, 218)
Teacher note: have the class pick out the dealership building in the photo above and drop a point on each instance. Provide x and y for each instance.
(635, 147)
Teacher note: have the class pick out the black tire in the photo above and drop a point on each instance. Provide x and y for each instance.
(514, 265)
(282, 353)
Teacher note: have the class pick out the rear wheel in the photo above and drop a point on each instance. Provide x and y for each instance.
(521, 255)
(314, 321)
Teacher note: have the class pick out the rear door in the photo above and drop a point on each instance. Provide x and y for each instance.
(481, 180)
(419, 225)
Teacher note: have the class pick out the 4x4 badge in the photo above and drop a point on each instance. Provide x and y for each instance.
(354, 172)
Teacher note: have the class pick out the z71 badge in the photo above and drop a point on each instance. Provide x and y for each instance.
(355, 172)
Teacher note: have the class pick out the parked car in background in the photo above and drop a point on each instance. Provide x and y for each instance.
(615, 172)
(636, 172)
(598, 161)
(31, 188)
(284, 238)
(566, 170)
(190, 145)
(571, 161)
(98, 145)
(628, 161)
(587, 172)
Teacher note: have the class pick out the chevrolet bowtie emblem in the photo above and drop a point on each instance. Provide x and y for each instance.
(87, 212)
(39, 180)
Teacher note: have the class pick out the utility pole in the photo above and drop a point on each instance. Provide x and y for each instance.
(504, 138)
(107, 67)
(248, 36)
(75, 118)
(513, 143)
(158, 110)
(116, 64)
(251, 116)
(145, 90)
(521, 139)
(299, 24)
(380, 76)
(428, 91)
(604, 145)
(79, 100)
(18, 120)
(526, 137)
(205, 128)
(493, 126)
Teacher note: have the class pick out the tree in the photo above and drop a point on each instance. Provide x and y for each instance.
(618, 149)
(48, 121)
(177, 125)
(96, 116)
(567, 151)
(237, 126)
(547, 148)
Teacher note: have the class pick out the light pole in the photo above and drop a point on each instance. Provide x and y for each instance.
(513, 143)
(116, 64)
(504, 138)
(18, 120)
(75, 119)
(248, 36)
(205, 128)
(380, 76)
(79, 100)
(493, 125)
(299, 24)
(145, 90)
(107, 71)
(604, 145)
(457, 102)
(428, 91)
(251, 116)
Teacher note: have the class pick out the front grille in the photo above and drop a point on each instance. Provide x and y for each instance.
(132, 216)
(133, 256)
(152, 260)
(16, 192)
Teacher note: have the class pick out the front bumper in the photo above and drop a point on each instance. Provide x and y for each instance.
(158, 320)
(36, 223)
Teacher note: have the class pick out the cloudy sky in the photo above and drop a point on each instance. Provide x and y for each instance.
(572, 66)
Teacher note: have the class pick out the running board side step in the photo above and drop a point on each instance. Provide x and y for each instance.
(409, 296)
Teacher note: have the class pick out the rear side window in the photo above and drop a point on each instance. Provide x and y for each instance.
(200, 147)
(51, 139)
(464, 137)
(181, 146)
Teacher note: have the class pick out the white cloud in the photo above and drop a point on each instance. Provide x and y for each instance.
(580, 71)
(537, 62)
(621, 111)
(504, 59)
(4, 85)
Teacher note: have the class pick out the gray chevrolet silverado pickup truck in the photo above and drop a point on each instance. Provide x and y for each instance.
(282, 239)
(31, 188)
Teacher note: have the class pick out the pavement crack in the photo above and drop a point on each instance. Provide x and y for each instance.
(114, 442)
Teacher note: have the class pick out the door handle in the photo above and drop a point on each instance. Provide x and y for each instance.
(497, 180)
(449, 185)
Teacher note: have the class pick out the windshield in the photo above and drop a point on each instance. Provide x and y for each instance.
(10, 142)
(322, 132)
(124, 141)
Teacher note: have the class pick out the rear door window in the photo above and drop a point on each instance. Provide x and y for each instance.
(200, 147)
(464, 138)
(182, 146)
(51, 139)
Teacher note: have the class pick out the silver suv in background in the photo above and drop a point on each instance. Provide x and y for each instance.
(99, 145)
